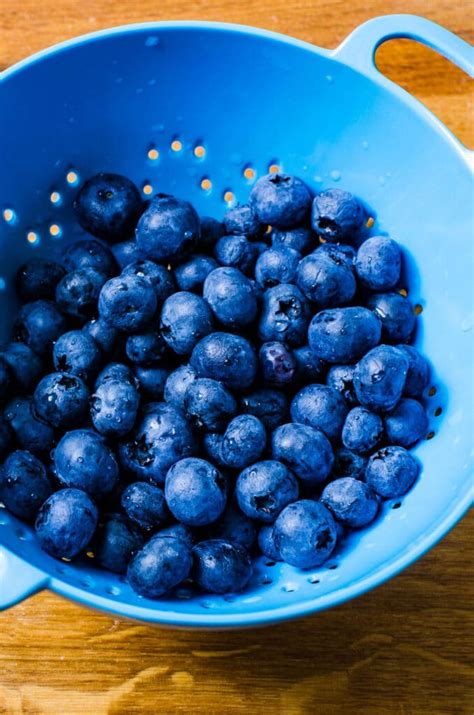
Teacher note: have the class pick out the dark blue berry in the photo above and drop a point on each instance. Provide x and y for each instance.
(89, 253)
(220, 566)
(151, 380)
(351, 502)
(126, 252)
(338, 253)
(264, 489)
(235, 527)
(302, 239)
(242, 220)
(418, 373)
(211, 232)
(209, 405)
(349, 464)
(397, 316)
(61, 400)
(341, 378)
(104, 334)
(39, 325)
(305, 450)
(163, 563)
(276, 265)
(82, 460)
(115, 371)
(277, 365)
(270, 406)
(244, 441)
(281, 200)
(168, 230)
(191, 275)
(195, 492)
(78, 292)
(305, 534)
(226, 357)
(266, 543)
(145, 505)
(236, 252)
(337, 216)
(185, 319)
(362, 430)
(321, 407)
(24, 484)
(128, 303)
(379, 378)
(378, 263)
(211, 444)
(159, 277)
(285, 315)
(114, 407)
(108, 206)
(38, 278)
(176, 385)
(78, 354)
(325, 282)
(231, 297)
(391, 472)
(23, 365)
(407, 423)
(115, 542)
(343, 335)
(145, 348)
(309, 367)
(66, 523)
(31, 433)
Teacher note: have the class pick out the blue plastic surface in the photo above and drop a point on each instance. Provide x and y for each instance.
(251, 99)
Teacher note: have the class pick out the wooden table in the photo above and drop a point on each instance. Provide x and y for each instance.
(403, 649)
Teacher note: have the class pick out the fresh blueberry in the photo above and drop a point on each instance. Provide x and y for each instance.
(264, 489)
(235, 527)
(145, 505)
(5, 378)
(280, 200)
(349, 464)
(82, 460)
(305, 534)
(236, 252)
(160, 278)
(78, 292)
(211, 444)
(276, 265)
(338, 253)
(145, 348)
(325, 282)
(195, 492)
(176, 385)
(89, 253)
(341, 378)
(397, 316)
(379, 378)
(270, 406)
(163, 563)
(302, 239)
(407, 423)
(391, 471)
(343, 335)
(266, 543)
(190, 276)
(362, 430)
(168, 230)
(321, 407)
(128, 303)
(185, 319)
(126, 252)
(102, 333)
(38, 278)
(39, 325)
(351, 502)
(177, 531)
(285, 315)
(24, 484)
(61, 400)
(418, 373)
(114, 407)
(378, 263)
(30, 432)
(277, 365)
(78, 354)
(115, 542)
(220, 566)
(23, 365)
(211, 232)
(242, 220)
(66, 523)
(309, 367)
(226, 357)
(115, 371)
(304, 450)
(209, 405)
(151, 380)
(161, 438)
(6, 438)
(231, 297)
(108, 206)
(244, 441)
(337, 216)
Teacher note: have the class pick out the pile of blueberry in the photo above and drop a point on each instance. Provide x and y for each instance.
(181, 394)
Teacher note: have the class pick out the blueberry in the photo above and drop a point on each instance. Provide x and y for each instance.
(108, 206)
(277, 364)
(337, 216)
(349, 464)
(39, 325)
(397, 316)
(159, 277)
(115, 371)
(66, 523)
(391, 471)
(114, 407)
(126, 252)
(151, 380)
(305, 534)
(378, 263)
(212, 444)
(190, 276)
(176, 385)
(168, 230)
(231, 297)
(161, 438)
(104, 334)
(5, 378)
(82, 460)
(128, 303)
(325, 282)
(242, 220)
(270, 406)
(38, 278)
(418, 373)
(338, 253)
(351, 502)
(304, 450)
(211, 232)
(299, 239)
(24, 484)
(145, 348)
(78, 354)
(244, 441)
(341, 378)
(185, 319)
(89, 253)
(176, 531)
(145, 505)
(321, 407)
(195, 491)
(226, 357)
(276, 265)
(266, 543)
(23, 365)
(30, 432)
(235, 527)
(407, 423)
(162, 564)
(379, 378)
(344, 334)
(61, 400)
(209, 405)
(285, 315)
(116, 541)
(78, 292)
(6, 438)
(220, 566)
(362, 430)
(280, 200)
(264, 489)
(236, 252)
(309, 367)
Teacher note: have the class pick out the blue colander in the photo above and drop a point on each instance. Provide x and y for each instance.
(201, 110)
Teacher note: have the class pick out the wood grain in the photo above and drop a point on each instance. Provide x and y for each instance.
(404, 649)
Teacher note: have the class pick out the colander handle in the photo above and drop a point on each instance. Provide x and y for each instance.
(18, 580)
